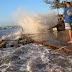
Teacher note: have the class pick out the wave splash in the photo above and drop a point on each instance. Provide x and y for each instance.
(35, 23)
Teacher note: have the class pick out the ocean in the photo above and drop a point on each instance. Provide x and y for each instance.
(30, 57)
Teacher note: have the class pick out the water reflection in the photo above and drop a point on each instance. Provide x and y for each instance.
(61, 36)
(56, 38)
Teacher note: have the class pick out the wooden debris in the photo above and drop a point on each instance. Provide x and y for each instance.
(2, 44)
(44, 43)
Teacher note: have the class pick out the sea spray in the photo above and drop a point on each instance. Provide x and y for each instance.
(36, 23)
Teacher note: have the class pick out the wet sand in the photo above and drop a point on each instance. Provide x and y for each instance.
(55, 38)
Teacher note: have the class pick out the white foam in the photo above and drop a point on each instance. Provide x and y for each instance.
(34, 58)
(13, 36)
(35, 23)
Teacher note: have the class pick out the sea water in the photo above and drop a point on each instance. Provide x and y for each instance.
(9, 30)
(32, 58)
(7, 33)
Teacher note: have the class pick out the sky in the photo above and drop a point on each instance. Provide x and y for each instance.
(8, 7)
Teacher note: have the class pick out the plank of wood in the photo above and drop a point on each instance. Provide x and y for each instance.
(66, 48)
(2, 44)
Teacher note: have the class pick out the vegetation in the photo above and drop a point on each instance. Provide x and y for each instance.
(56, 4)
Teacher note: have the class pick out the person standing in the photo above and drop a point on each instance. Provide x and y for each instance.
(68, 19)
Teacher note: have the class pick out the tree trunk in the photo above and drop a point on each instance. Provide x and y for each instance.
(66, 1)
(57, 10)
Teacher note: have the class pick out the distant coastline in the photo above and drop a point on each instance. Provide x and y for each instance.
(9, 27)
